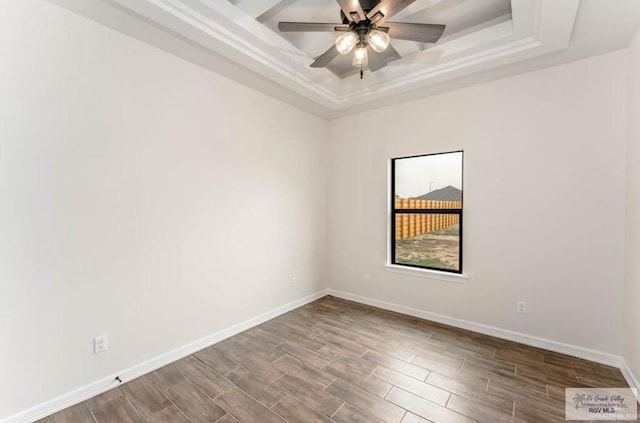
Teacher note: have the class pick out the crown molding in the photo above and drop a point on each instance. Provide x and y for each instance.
(536, 27)
(229, 40)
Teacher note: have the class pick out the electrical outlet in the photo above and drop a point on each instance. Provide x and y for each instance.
(521, 307)
(294, 281)
(366, 278)
(100, 344)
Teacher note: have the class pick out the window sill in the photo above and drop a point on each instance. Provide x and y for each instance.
(427, 274)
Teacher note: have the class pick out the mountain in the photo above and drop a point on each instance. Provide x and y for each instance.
(448, 193)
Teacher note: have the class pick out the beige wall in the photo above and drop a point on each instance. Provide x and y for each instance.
(632, 292)
(151, 200)
(544, 201)
(141, 197)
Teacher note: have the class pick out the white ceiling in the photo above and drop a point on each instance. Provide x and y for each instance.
(458, 16)
(484, 39)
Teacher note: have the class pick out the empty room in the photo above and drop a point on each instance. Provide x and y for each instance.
(319, 211)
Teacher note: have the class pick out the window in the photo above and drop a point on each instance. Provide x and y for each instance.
(426, 211)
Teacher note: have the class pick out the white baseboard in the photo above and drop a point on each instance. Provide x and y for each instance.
(559, 347)
(631, 378)
(81, 394)
(69, 399)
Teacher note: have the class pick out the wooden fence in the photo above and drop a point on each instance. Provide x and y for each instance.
(410, 224)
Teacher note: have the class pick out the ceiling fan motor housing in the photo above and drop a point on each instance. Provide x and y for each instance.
(362, 28)
(366, 5)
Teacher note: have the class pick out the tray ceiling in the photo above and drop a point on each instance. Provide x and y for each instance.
(459, 16)
(480, 36)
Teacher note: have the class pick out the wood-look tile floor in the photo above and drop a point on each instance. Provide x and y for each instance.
(336, 361)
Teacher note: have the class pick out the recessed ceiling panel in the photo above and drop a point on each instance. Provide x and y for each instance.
(479, 35)
(457, 15)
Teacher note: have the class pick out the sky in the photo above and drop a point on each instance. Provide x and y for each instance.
(413, 175)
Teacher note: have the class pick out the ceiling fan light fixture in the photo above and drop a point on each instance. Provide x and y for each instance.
(363, 23)
(345, 42)
(360, 57)
(378, 40)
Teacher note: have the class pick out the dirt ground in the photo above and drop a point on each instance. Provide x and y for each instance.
(436, 249)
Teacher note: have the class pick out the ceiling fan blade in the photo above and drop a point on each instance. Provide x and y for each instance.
(311, 27)
(428, 57)
(391, 54)
(425, 33)
(386, 9)
(377, 61)
(326, 57)
(352, 10)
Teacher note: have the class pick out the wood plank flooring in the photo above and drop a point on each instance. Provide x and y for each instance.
(341, 362)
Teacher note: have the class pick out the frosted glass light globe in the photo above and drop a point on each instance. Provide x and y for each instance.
(378, 40)
(345, 42)
(360, 57)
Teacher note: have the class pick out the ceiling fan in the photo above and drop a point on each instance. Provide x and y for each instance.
(364, 24)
